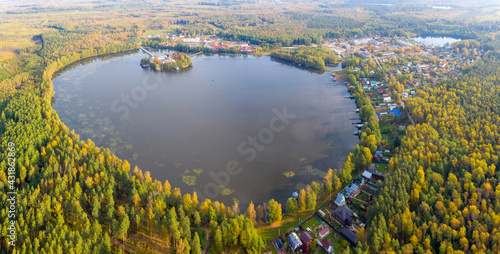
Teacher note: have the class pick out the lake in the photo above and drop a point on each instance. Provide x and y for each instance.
(232, 126)
(436, 41)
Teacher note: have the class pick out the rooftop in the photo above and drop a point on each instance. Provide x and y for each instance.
(305, 237)
(340, 200)
(343, 212)
(348, 235)
(324, 231)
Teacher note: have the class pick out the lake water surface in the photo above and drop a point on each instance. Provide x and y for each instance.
(189, 126)
(436, 41)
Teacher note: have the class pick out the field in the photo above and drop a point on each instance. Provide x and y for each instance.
(312, 223)
(382, 167)
(6, 55)
(289, 222)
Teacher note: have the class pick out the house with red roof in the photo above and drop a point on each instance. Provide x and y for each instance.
(324, 232)
(326, 246)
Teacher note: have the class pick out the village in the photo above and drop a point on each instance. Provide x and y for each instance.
(407, 67)
(418, 66)
(206, 41)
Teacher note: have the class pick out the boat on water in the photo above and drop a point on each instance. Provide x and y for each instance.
(177, 68)
(144, 65)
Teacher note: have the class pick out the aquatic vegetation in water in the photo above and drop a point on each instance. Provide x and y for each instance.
(289, 174)
(302, 159)
(128, 146)
(198, 171)
(189, 180)
(225, 191)
(135, 156)
(178, 164)
(300, 186)
(186, 171)
(315, 171)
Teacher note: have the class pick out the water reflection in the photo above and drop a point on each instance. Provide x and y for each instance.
(190, 125)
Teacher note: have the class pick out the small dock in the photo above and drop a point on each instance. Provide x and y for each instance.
(147, 52)
(196, 54)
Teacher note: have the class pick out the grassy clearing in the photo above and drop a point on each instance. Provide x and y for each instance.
(146, 244)
(382, 167)
(6, 55)
(338, 243)
(289, 222)
(314, 221)
(273, 250)
(386, 137)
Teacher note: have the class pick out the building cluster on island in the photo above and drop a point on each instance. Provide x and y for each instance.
(163, 59)
(171, 60)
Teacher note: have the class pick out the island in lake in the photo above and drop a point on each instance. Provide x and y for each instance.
(167, 62)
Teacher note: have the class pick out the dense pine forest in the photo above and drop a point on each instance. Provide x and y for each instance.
(442, 194)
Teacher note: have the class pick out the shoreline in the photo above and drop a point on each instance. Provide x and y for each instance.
(340, 160)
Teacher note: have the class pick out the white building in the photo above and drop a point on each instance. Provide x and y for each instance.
(197, 39)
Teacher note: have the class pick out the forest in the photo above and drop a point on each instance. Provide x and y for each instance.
(442, 195)
(315, 58)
